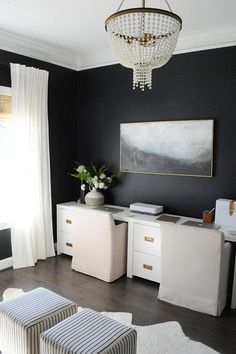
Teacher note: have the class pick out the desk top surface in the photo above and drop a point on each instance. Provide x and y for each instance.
(127, 216)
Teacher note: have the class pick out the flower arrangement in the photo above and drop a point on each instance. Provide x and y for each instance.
(93, 177)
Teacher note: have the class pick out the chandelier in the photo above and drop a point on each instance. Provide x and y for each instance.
(143, 39)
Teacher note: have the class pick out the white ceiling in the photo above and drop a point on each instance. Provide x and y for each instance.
(71, 32)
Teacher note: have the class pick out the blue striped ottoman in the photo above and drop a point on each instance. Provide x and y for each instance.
(22, 319)
(89, 332)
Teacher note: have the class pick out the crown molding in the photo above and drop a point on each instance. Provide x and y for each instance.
(32, 48)
(96, 59)
(195, 41)
(215, 38)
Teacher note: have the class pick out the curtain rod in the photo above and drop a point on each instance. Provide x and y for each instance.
(5, 64)
(11, 62)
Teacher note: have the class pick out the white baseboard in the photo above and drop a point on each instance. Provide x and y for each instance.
(6, 263)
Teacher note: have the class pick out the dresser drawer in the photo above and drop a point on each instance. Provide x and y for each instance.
(147, 266)
(64, 220)
(147, 239)
(65, 243)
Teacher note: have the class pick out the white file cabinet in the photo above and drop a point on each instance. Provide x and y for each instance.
(144, 251)
(144, 240)
(64, 230)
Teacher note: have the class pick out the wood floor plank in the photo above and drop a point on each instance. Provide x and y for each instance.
(131, 295)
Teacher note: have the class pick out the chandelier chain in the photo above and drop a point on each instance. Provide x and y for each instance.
(122, 2)
(168, 5)
(143, 5)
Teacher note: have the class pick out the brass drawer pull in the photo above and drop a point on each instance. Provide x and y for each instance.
(68, 221)
(149, 239)
(68, 244)
(148, 267)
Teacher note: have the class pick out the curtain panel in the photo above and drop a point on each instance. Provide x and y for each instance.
(31, 214)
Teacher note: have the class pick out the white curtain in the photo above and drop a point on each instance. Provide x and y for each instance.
(31, 215)
(5, 133)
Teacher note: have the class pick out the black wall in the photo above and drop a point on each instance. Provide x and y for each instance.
(62, 127)
(191, 86)
(5, 243)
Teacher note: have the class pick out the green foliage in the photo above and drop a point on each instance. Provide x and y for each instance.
(94, 177)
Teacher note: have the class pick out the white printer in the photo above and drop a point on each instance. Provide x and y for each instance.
(143, 208)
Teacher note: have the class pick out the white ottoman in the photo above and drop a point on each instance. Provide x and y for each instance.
(22, 319)
(89, 332)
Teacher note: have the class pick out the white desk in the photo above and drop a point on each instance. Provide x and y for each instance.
(232, 239)
(139, 227)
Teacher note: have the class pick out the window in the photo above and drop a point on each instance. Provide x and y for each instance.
(5, 132)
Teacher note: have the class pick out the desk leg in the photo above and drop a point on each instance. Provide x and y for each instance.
(130, 249)
(233, 300)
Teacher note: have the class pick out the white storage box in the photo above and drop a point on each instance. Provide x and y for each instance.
(225, 213)
(150, 209)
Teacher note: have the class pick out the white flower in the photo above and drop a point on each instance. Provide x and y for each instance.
(95, 181)
(102, 176)
(101, 185)
(109, 179)
(105, 187)
(83, 187)
(81, 168)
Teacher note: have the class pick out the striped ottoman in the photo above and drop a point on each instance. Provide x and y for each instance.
(89, 332)
(22, 319)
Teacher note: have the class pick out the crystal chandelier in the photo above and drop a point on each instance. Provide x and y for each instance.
(143, 39)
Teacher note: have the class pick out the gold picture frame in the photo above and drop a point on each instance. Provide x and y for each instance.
(177, 147)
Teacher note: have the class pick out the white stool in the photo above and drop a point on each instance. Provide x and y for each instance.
(23, 318)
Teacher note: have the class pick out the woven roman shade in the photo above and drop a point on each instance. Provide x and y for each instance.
(5, 106)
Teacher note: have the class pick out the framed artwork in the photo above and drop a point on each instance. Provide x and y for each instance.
(182, 148)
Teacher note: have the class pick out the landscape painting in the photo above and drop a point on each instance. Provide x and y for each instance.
(167, 147)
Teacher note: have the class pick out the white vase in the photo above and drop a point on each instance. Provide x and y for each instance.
(94, 198)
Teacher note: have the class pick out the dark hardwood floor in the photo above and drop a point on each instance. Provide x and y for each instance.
(132, 295)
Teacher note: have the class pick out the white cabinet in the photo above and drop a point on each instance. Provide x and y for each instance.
(147, 239)
(64, 230)
(144, 240)
(144, 251)
(146, 266)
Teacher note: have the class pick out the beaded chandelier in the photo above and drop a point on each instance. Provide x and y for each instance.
(143, 39)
